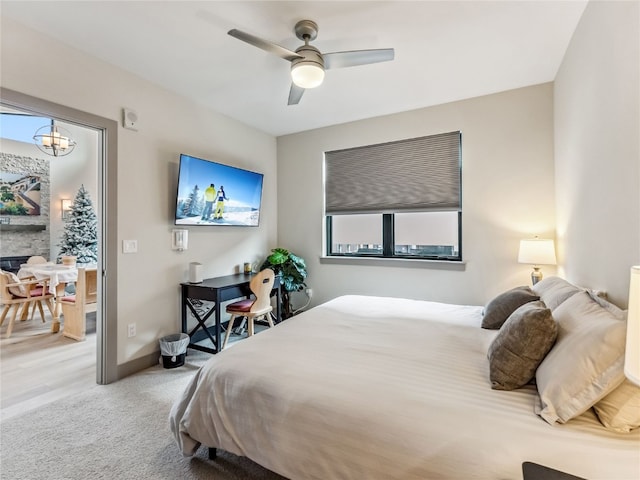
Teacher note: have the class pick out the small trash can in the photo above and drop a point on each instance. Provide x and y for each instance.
(173, 349)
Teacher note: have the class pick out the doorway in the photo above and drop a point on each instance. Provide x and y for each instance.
(106, 318)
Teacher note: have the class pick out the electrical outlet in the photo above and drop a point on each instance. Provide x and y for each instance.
(309, 292)
(131, 330)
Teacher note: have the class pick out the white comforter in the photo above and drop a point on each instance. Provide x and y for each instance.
(383, 388)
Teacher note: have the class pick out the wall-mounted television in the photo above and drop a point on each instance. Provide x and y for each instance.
(211, 193)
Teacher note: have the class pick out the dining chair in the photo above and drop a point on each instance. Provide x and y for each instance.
(253, 308)
(36, 260)
(33, 260)
(15, 293)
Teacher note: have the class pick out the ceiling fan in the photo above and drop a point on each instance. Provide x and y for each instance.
(307, 63)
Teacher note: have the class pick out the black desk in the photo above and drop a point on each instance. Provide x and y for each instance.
(217, 290)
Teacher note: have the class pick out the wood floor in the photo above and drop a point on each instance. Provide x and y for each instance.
(39, 369)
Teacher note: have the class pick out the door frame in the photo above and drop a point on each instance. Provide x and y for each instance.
(107, 324)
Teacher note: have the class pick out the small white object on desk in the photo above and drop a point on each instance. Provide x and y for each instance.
(195, 272)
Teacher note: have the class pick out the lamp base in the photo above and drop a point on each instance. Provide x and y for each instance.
(536, 275)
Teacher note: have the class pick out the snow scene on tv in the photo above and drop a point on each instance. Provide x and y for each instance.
(210, 193)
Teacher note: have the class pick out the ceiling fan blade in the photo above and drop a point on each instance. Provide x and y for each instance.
(295, 94)
(357, 57)
(264, 45)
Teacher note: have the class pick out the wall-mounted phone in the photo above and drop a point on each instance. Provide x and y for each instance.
(180, 240)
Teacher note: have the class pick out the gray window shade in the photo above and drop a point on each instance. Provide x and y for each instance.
(418, 174)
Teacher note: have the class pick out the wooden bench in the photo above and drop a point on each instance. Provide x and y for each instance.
(75, 307)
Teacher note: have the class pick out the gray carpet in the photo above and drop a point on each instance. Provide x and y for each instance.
(116, 431)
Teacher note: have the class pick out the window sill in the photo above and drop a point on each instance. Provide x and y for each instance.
(395, 262)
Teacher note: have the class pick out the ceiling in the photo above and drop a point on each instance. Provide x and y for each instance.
(444, 51)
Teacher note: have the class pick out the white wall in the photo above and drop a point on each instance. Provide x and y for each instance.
(148, 282)
(597, 149)
(508, 194)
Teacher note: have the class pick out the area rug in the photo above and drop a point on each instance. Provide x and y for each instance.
(116, 431)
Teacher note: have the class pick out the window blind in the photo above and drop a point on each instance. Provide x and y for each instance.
(418, 174)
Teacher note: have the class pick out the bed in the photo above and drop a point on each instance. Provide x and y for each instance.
(387, 388)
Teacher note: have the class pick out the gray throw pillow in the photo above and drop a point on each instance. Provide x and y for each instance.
(521, 345)
(498, 310)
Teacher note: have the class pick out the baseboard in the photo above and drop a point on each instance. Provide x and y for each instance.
(134, 366)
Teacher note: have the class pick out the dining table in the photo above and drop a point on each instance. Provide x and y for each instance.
(58, 276)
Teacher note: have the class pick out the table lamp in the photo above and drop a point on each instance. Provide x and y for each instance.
(537, 251)
(632, 352)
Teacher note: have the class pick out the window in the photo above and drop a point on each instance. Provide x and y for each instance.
(21, 126)
(395, 200)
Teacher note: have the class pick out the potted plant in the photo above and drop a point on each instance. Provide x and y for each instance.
(292, 271)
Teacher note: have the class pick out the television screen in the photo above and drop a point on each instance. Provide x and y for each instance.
(211, 193)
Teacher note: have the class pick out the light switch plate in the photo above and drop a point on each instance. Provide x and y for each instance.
(129, 246)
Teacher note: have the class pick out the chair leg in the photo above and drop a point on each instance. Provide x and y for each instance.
(25, 311)
(229, 328)
(241, 328)
(40, 309)
(251, 325)
(36, 304)
(12, 320)
(5, 310)
(51, 306)
(268, 316)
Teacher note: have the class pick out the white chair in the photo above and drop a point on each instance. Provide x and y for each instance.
(253, 309)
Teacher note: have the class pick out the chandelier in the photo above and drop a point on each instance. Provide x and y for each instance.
(54, 140)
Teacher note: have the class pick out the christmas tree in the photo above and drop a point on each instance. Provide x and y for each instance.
(80, 236)
(193, 204)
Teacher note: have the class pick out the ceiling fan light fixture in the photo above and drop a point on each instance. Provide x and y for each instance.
(307, 74)
(307, 62)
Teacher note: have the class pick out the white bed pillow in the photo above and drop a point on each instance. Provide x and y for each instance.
(554, 290)
(586, 362)
(607, 305)
(620, 410)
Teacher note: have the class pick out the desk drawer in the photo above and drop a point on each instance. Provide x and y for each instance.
(199, 292)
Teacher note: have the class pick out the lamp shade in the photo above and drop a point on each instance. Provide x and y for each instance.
(307, 74)
(65, 207)
(537, 251)
(632, 352)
